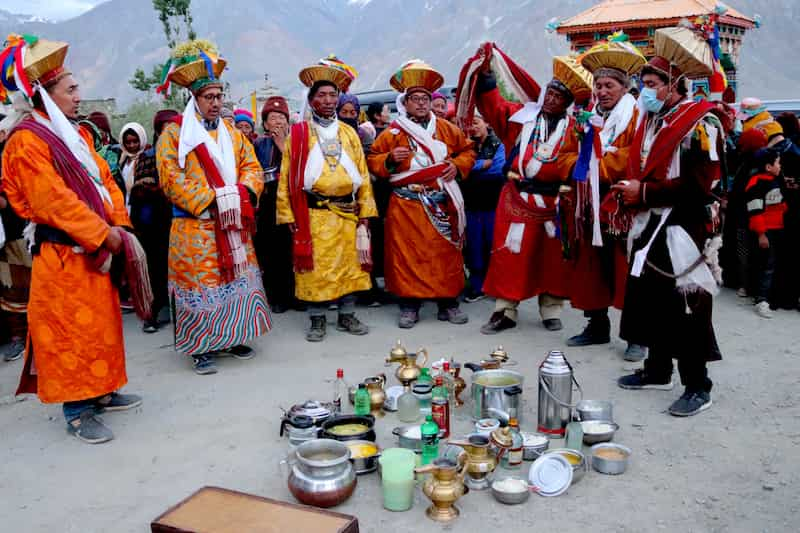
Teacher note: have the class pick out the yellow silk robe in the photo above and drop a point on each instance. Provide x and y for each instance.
(210, 314)
(75, 346)
(337, 271)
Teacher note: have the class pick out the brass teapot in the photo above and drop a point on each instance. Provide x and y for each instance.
(377, 394)
(443, 488)
(480, 461)
(409, 370)
(458, 382)
(498, 358)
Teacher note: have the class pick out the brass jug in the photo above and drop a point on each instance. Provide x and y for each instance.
(480, 461)
(443, 488)
(409, 370)
(377, 395)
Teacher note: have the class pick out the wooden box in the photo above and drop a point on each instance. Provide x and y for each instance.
(218, 510)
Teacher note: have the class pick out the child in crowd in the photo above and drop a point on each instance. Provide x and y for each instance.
(765, 209)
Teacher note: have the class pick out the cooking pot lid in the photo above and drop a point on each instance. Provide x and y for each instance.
(311, 408)
(301, 421)
(550, 475)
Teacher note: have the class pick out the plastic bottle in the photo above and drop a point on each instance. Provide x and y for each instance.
(425, 376)
(339, 392)
(361, 400)
(430, 440)
(408, 406)
(440, 406)
(513, 457)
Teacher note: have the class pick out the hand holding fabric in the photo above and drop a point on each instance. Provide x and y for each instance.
(450, 172)
(363, 246)
(597, 122)
(113, 240)
(629, 191)
(399, 154)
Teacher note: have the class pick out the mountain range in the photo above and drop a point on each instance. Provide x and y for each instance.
(278, 37)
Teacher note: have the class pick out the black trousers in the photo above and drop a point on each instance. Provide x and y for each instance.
(413, 304)
(273, 244)
(693, 370)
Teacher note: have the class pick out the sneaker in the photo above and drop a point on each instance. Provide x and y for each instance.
(241, 352)
(553, 324)
(350, 324)
(408, 319)
(690, 403)
(454, 315)
(497, 322)
(635, 353)
(640, 380)
(14, 350)
(763, 310)
(117, 402)
(204, 364)
(89, 429)
(317, 330)
(741, 292)
(595, 333)
(473, 297)
(150, 326)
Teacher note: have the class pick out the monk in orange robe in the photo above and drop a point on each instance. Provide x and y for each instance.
(423, 157)
(75, 350)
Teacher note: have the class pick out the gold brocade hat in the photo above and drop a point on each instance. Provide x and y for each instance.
(574, 77)
(331, 69)
(416, 74)
(615, 52)
(686, 50)
(195, 64)
(45, 60)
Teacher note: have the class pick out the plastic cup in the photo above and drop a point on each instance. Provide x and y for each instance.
(397, 472)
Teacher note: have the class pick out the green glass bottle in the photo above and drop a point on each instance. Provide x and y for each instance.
(430, 440)
(361, 401)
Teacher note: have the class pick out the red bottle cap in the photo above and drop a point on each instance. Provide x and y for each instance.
(339, 373)
(446, 366)
(439, 380)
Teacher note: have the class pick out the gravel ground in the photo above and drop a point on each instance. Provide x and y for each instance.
(732, 468)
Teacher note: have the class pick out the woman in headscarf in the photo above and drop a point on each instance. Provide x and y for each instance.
(134, 142)
(243, 120)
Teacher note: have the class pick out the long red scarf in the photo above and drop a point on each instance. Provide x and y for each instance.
(215, 181)
(302, 248)
(667, 140)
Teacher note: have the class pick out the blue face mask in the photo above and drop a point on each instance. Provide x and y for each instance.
(650, 100)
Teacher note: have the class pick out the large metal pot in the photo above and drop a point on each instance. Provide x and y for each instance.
(499, 390)
(322, 474)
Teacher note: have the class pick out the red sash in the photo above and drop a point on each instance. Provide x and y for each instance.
(667, 140)
(302, 248)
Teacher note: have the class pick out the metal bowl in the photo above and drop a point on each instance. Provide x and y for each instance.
(577, 459)
(594, 410)
(510, 498)
(534, 445)
(608, 465)
(595, 431)
(363, 465)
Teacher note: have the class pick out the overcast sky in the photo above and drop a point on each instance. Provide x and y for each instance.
(50, 9)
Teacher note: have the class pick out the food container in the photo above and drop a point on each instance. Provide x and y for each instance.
(533, 445)
(550, 475)
(610, 458)
(575, 458)
(496, 389)
(322, 475)
(510, 490)
(485, 426)
(595, 431)
(363, 455)
(594, 410)
(349, 427)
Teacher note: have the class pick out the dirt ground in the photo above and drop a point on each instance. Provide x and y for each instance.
(732, 468)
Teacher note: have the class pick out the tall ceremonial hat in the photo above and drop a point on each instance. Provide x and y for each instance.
(570, 75)
(27, 60)
(681, 51)
(330, 69)
(616, 57)
(193, 64)
(416, 74)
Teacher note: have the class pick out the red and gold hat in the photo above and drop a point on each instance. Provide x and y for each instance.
(330, 69)
(574, 77)
(416, 74)
(27, 59)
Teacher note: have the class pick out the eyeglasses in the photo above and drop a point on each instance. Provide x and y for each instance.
(211, 97)
(419, 99)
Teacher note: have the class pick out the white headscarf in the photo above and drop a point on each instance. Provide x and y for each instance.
(127, 161)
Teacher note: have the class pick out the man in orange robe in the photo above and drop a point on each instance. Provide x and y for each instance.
(422, 157)
(75, 352)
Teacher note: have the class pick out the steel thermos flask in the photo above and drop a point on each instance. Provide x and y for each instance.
(555, 394)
